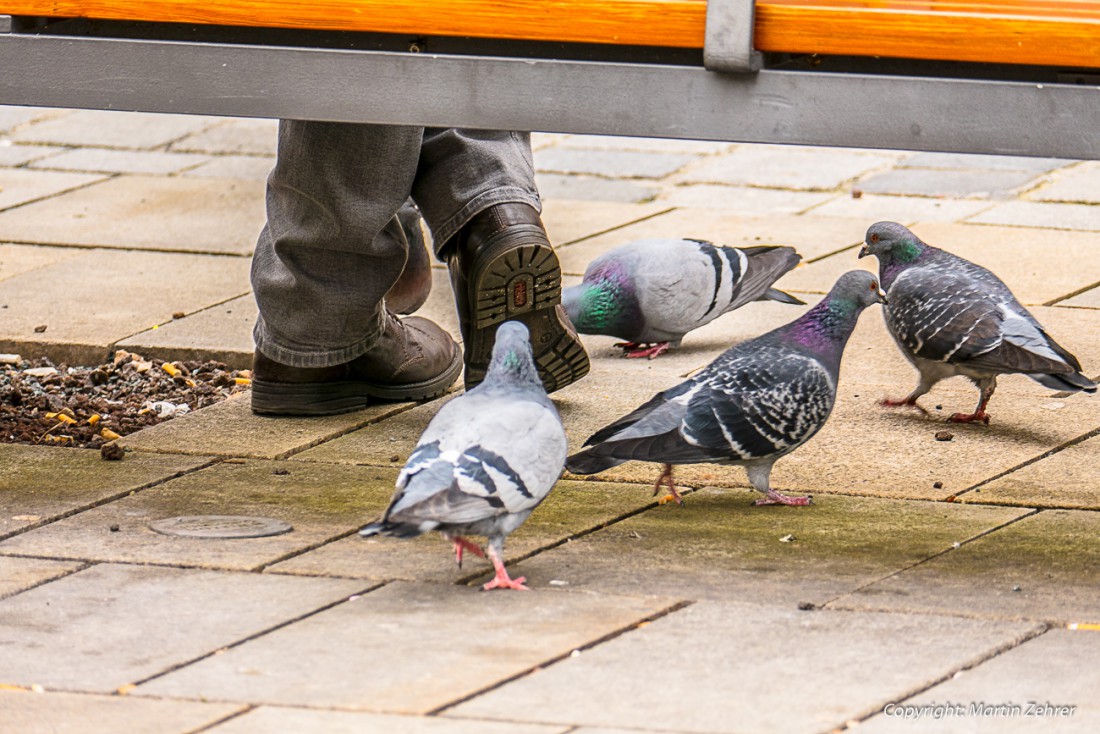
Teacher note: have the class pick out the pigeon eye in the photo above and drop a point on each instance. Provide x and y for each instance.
(874, 286)
(874, 238)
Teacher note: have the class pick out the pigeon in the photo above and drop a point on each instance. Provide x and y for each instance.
(486, 460)
(757, 401)
(951, 317)
(653, 292)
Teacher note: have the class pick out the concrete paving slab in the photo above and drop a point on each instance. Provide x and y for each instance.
(255, 168)
(1052, 558)
(112, 129)
(1087, 299)
(730, 667)
(719, 546)
(11, 117)
(17, 574)
(131, 291)
(268, 719)
(813, 238)
(230, 429)
(592, 188)
(786, 167)
(742, 199)
(611, 163)
(1056, 668)
(1082, 217)
(406, 648)
(222, 332)
(571, 509)
(987, 162)
(904, 209)
(40, 484)
(100, 160)
(970, 183)
(1080, 184)
(658, 145)
(570, 220)
(17, 259)
(19, 186)
(236, 136)
(71, 713)
(114, 625)
(18, 155)
(1066, 479)
(144, 212)
(319, 502)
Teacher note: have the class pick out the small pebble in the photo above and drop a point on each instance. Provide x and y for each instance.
(112, 452)
(807, 606)
(1017, 588)
(113, 528)
(944, 435)
(178, 315)
(281, 472)
(857, 194)
(937, 485)
(39, 329)
(395, 458)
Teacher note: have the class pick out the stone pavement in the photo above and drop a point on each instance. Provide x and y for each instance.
(957, 581)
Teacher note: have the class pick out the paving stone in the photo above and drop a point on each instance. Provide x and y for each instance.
(251, 167)
(591, 188)
(39, 484)
(319, 502)
(222, 333)
(19, 186)
(1080, 184)
(571, 509)
(1088, 299)
(570, 220)
(113, 625)
(659, 145)
(406, 648)
(1052, 557)
(243, 136)
(1066, 479)
(611, 163)
(995, 184)
(11, 117)
(143, 212)
(987, 162)
(1083, 217)
(131, 291)
(112, 129)
(730, 667)
(720, 546)
(17, 574)
(71, 713)
(786, 167)
(267, 719)
(904, 209)
(742, 199)
(1057, 667)
(99, 160)
(18, 259)
(17, 155)
(812, 237)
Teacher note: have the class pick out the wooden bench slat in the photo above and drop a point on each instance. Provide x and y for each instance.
(1047, 32)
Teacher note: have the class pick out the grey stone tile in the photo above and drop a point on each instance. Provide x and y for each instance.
(222, 332)
(39, 484)
(251, 167)
(1066, 479)
(114, 625)
(247, 137)
(1046, 566)
(1085, 217)
(406, 648)
(17, 155)
(141, 212)
(611, 163)
(591, 188)
(1088, 299)
(1056, 668)
(730, 666)
(569, 220)
(1080, 184)
(11, 117)
(101, 160)
(992, 184)
(112, 129)
(787, 167)
(230, 429)
(61, 713)
(19, 186)
(268, 719)
(17, 574)
(904, 209)
(742, 199)
(132, 291)
(984, 162)
(18, 259)
(319, 502)
(657, 145)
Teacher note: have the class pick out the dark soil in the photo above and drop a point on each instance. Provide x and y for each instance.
(44, 403)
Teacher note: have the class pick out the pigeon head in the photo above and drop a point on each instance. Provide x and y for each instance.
(827, 326)
(512, 359)
(605, 303)
(892, 243)
(856, 289)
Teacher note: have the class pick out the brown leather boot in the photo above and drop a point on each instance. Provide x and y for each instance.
(413, 359)
(503, 268)
(414, 285)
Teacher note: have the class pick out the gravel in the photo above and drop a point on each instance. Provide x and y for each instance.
(57, 405)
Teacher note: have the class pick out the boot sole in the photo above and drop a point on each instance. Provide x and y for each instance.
(332, 398)
(524, 284)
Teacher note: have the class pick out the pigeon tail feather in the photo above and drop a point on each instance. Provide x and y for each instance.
(774, 294)
(1071, 382)
(588, 462)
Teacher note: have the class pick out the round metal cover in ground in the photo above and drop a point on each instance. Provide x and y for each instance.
(220, 526)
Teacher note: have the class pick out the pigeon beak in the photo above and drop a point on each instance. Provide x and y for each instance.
(863, 251)
(882, 297)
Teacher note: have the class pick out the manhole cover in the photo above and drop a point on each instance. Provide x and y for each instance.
(220, 526)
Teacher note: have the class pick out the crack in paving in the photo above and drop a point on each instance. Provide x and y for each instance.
(618, 227)
(218, 722)
(84, 565)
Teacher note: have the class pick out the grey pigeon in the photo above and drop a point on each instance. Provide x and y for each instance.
(756, 402)
(485, 461)
(653, 292)
(951, 317)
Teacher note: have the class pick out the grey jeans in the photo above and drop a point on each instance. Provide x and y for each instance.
(333, 246)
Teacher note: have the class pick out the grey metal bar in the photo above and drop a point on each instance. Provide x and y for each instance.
(813, 108)
(728, 42)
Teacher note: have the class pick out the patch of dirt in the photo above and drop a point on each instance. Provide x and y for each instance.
(44, 403)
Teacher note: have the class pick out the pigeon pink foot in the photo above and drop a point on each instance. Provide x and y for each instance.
(462, 544)
(771, 497)
(979, 416)
(502, 580)
(902, 403)
(666, 479)
(633, 350)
